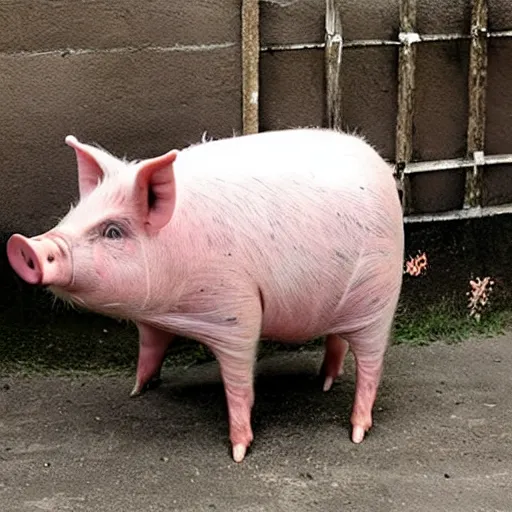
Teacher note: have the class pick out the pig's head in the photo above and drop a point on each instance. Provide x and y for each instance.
(97, 256)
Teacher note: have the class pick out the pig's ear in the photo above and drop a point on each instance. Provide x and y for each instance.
(156, 190)
(89, 170)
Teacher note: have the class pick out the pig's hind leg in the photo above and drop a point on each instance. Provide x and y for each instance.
(365, 322)
(153, 343)
(336, 349)
(368, 346)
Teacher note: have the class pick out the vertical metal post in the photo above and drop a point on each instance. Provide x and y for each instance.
(250, 65)
(477, 84)
(406, 91)
(333, 52)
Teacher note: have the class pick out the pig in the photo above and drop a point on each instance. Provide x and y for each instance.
(285, 235)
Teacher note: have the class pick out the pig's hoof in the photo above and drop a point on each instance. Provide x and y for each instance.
(358, 433)
(328, 383)
(239, 451)
(141, 388)
(136, 391)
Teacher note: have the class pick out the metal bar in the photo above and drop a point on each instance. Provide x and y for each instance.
(500, 33)
(438, 165)
(406, 86)
(356, 43)
(437, 38)
(250, 65)
(456, 163)
(362, 43)
(292, 47)
(477, 84)
(498, 159)
(333, 53)
(475, 212)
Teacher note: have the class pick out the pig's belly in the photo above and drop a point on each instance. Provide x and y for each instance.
(299, 316)
(329, 297)
(294, 328)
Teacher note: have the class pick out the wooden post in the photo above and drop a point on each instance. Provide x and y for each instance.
(333, 51)
(477, 84)
(250, 65)
(406, 90)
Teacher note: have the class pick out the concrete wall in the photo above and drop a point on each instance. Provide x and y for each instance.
(141, 77)
(148, 76)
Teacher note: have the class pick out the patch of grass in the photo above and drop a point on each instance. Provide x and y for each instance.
(67, 345)
(87, 343)
(445, 322)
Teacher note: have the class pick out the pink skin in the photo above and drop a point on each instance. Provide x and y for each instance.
(153, 344)
(34, 259)
(284, 235)
(336, 349)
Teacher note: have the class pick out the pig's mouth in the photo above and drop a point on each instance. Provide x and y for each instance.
(67, 296)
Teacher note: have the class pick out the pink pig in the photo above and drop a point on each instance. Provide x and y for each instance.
(286, 235)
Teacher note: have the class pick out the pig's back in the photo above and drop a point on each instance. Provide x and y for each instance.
(300, 211)
(304, 153)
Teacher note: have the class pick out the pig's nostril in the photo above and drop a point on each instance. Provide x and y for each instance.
(29, 261)
(50, 258)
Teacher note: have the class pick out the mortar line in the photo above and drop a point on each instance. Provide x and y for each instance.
(125, 49)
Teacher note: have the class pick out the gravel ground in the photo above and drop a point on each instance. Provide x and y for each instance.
(442, 438)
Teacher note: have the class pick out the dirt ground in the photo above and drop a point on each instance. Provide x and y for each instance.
(442, 439)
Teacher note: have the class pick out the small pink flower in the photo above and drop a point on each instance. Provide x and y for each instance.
(415, 266)
(479, 295)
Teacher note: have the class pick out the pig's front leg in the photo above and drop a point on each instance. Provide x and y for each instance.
(153, 343)
(235, 351)
(336, 349)
(237, 370)
(229, 324)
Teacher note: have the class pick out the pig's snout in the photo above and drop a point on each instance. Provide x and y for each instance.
(39, 260)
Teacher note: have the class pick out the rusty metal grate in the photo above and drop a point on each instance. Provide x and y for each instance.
(408, 39)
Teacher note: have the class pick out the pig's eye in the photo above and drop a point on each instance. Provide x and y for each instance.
(113, 232)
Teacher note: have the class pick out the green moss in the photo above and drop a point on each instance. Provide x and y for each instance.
(445, 322)
(94, 344)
